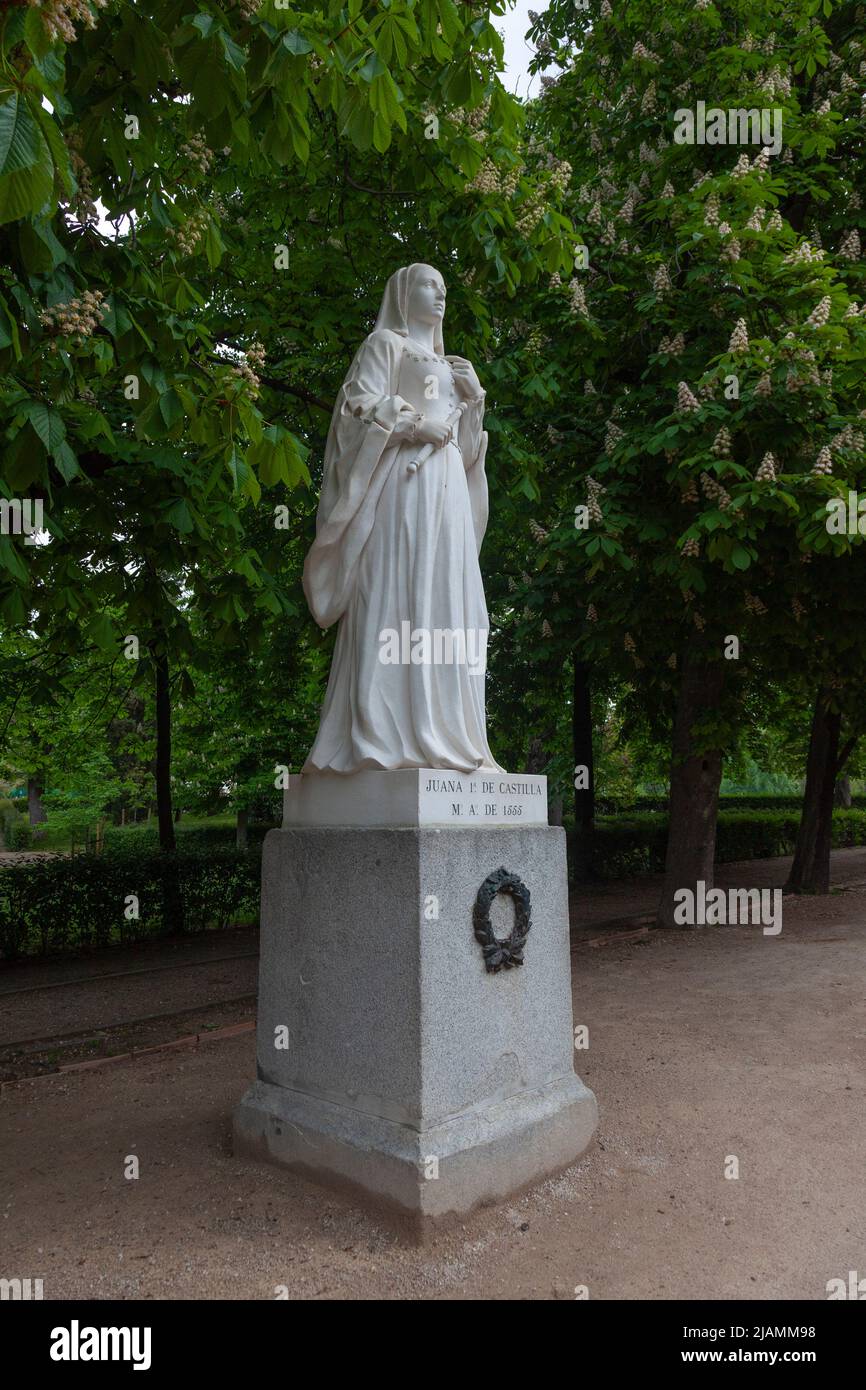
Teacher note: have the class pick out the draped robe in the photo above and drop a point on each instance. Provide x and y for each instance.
(394, 547)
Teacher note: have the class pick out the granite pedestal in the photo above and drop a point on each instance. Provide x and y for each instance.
(390, 1061)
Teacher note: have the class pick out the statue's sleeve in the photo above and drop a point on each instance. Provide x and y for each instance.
(369, 419)
(472, 438)
(368, 393)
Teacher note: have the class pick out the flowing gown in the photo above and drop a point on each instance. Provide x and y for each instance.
(400, 547)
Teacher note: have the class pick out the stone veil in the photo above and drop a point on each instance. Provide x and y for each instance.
(396, 547)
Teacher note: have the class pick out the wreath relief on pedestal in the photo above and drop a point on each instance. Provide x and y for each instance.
(508, 951)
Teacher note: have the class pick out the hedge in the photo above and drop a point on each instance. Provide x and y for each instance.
(626, 845)
(124, 839)
(65, 904)
(15, 832)
(618, 806)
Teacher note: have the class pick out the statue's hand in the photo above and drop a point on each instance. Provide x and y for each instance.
(432, 432)
(465, 378)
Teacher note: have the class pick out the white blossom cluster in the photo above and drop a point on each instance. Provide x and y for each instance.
(78, 318)
(849, 247)
(820, 314)
(714, 492)
(823, 465)
(189, 233)
(612, 435)
(661, 281)
(473, 122)
(721, 445)
(711, 211)
(739, 337)
(766, 469)
(687, 402)
(577, 298)
(755, 605)
(196, 152)
(531, 213)
(594, 491)
(82, 201)
(560, 172)
(804, 254)
(486, 180)
(60, 16)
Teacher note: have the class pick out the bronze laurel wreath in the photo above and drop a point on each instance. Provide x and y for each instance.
(509, 951)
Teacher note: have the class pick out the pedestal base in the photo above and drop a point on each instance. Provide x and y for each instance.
(478, 1158)
(391, 1062)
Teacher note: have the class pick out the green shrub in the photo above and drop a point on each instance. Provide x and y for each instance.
(613, 806)
(19, 834)
(10, 817)
(74, 904)
(192, 835)
(628, 845)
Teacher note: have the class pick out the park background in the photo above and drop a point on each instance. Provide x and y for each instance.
(200, 206)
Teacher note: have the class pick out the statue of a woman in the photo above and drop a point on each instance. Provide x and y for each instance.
(401, 518)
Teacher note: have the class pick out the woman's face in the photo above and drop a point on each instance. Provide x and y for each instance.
(427, 296)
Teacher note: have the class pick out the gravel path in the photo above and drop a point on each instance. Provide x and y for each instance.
(702, 1045)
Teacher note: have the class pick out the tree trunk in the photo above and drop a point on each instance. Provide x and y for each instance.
(35, 809)
(584, 797)
(810, 871)
(172, 899)
(842, 793)
(695, 781)
(163, 755)
(241, 829)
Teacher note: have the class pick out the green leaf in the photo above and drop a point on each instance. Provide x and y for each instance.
(35, 34)
(20, 139)
(47, 423)
(253, 487)
(9, 330)
(40, 250)
(26, 166)
(54, 140)
(180, 517)
(11, 561)
(204, 23)
(296, 43)
(238, 467)
(171, 408)
(67, 463)
(740, 558)
(234, 53)
(101, 632)
(213, 246)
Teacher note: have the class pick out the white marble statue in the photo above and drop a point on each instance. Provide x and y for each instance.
(401, 518)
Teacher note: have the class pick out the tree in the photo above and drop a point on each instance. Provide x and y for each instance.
(138, 399)
(721, 352)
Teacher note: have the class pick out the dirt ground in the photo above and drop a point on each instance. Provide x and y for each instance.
(703, 1045)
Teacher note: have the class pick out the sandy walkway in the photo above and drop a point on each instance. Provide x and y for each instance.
(703, 1045)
